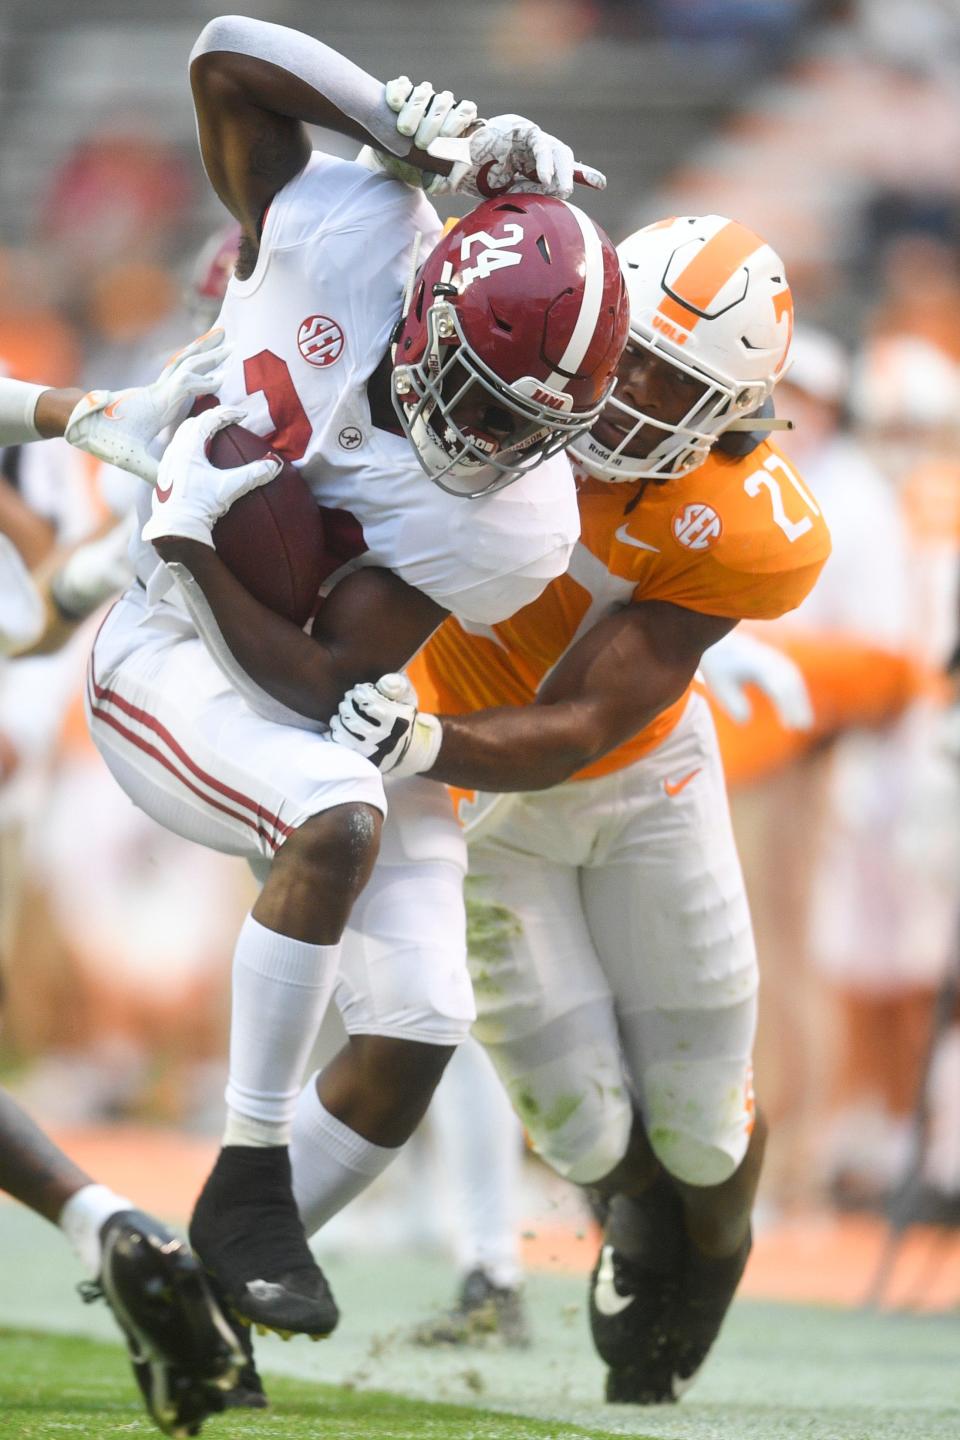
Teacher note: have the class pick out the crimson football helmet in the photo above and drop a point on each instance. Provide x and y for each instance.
(710, 298)
(509, 344)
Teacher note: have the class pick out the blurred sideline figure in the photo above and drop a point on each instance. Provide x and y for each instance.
(886, 890)
(849, 639)
(106, 924)
(182, 1350)
(479, 1156)
(617, 993)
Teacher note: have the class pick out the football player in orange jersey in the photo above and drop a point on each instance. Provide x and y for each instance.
(619, 1002)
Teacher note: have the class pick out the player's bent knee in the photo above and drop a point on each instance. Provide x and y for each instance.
(692, 1160)
(581, 1136)
(592, 1166)
(699, 1120)
(341, 842)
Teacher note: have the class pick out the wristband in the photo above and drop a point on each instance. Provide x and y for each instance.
(18, 406)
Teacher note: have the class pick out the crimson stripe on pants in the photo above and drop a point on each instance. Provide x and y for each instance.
(150, 722)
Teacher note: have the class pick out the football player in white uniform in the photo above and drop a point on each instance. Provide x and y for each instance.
(365, 373)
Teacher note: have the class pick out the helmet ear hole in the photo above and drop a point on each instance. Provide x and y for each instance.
(748, 398)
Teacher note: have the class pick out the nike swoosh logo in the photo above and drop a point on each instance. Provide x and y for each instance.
(606, 1296)
(673, 787)
(163, 494)
(624, 535)
(110, 411)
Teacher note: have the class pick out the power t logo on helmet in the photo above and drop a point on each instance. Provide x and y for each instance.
(509, 346)
(709, 298)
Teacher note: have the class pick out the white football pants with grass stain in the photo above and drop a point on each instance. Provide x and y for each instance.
(613, 961)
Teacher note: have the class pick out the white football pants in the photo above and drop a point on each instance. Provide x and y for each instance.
(613, 961)
(188, 750)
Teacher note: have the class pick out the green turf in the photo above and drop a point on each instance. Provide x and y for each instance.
(778, 1372)
(56, 1386)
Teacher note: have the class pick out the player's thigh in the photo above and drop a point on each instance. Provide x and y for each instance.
(189, 752)
(545, 1012)
(403, 968)
(668, 915)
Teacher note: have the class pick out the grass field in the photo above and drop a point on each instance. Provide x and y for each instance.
(778, 1371)
(52, 1385)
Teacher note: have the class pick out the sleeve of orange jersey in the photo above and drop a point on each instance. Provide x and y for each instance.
(744, 586)
(850, 684)
(767, 556)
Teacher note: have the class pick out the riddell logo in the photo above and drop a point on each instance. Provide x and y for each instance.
(678, 337)
(320, 340)
(696, 526)
(545, 397)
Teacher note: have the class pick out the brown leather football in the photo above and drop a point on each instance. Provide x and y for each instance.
(271, 539)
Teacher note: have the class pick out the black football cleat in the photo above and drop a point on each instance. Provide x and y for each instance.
(183, 1352)
(247, 1232)
(484, 1314)
(635, 1291)
(707, 1293)
(656, 1303)
(248, 1392)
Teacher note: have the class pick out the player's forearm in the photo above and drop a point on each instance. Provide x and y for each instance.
(533, 748)
(293, 75)
(284, 662)
(32, 535)
(538, 746)
(54, 408)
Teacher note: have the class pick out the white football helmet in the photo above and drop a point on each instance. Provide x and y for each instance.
(711, 298)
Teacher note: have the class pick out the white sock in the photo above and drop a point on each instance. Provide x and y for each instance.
(281, 988)
(83, 1217)
(482, 1144)
(331, 1163)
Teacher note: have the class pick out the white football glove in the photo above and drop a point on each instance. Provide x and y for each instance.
(382, 723)
(433, 121)
(740, 659)
(94, 571)
(122, 426)
(191, 494)
(510, 152)
(425, 114)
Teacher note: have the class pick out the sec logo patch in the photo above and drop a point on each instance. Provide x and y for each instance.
(320, 341)
(696, 526)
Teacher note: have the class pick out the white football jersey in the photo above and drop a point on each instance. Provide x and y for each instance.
(307, 329)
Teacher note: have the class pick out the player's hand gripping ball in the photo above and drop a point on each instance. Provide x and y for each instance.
(222, 485)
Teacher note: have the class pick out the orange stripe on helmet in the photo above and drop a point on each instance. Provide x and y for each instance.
(707, 273)
(783, 305)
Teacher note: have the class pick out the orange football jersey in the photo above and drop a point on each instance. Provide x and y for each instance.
(741, 538)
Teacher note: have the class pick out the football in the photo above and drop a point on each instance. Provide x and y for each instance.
(271, 539)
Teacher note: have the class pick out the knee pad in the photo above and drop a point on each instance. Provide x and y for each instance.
(699, 1116)
(403, 969)
(575, 1108)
